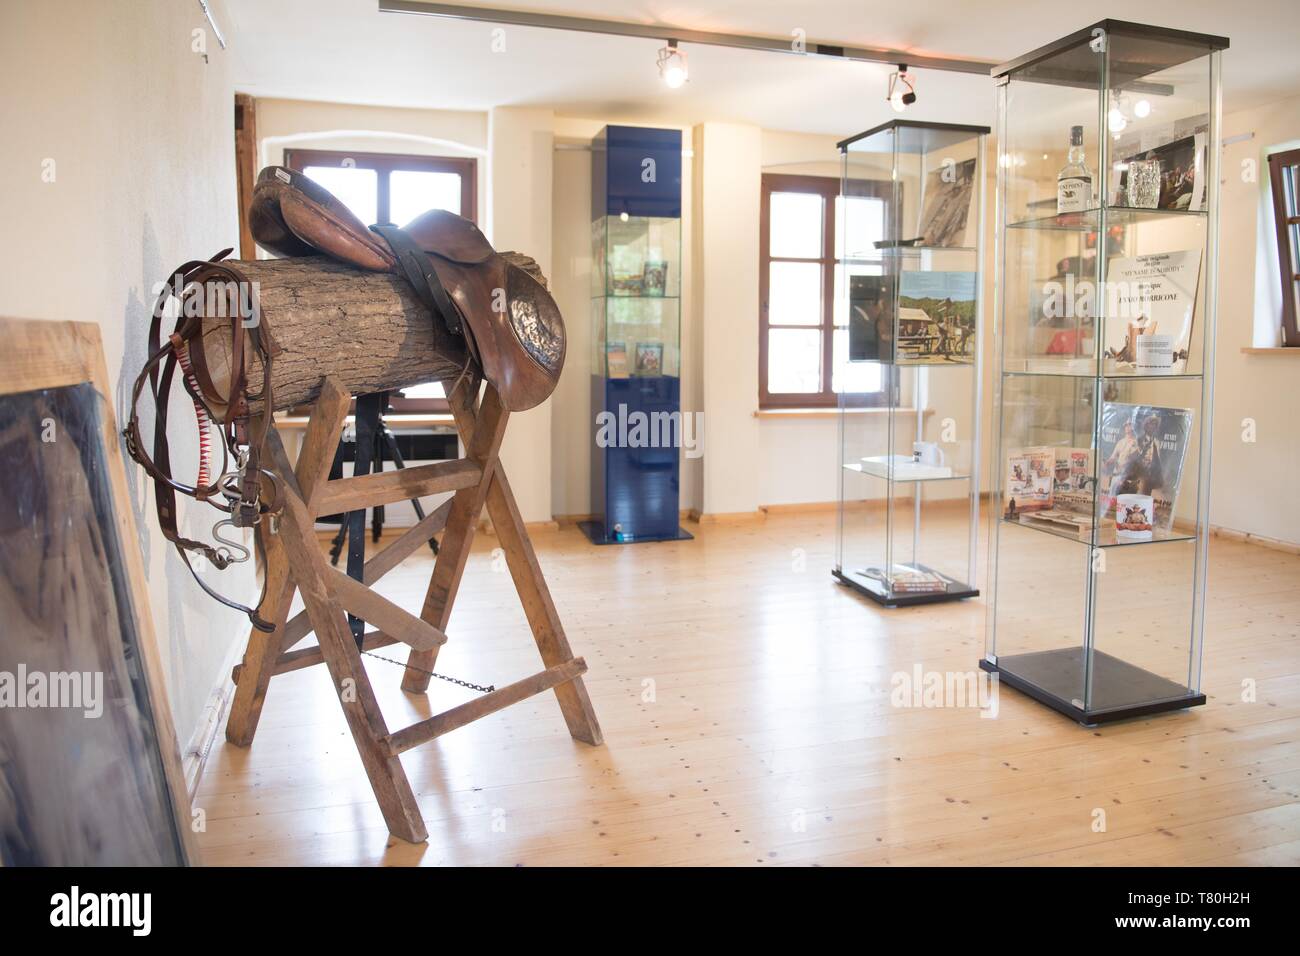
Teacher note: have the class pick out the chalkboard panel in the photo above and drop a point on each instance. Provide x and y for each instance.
(83, 776)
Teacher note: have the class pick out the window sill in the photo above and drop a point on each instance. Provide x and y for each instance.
(395, 421)
(828, 412)
(1269, 350)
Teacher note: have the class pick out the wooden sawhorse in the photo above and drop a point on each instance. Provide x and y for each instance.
(295, 561)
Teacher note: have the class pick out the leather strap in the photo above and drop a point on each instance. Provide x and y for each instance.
(419, 271)
(247, 503)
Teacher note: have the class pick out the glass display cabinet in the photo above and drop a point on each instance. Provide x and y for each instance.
(636, 252)
(1107, 217)
(910, 223)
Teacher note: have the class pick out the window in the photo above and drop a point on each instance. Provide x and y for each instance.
(392, 188)
(1284, 176)
(803, 322)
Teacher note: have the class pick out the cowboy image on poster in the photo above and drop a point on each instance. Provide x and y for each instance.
(1148, 296)
(936, 318)
(1141, 452)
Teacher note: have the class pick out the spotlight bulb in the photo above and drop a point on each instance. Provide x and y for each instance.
(672, 66)
(1142, 109)
(902, 92)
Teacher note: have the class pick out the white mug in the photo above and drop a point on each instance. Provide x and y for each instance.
(1135, 517)
(927, 453)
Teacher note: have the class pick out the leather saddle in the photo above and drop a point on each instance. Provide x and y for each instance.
(510, 323)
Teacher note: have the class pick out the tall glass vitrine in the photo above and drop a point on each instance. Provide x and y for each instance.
(1107, 214)
(636, 254)
(909, 323)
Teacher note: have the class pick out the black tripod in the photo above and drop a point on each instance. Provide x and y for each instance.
(374, 441)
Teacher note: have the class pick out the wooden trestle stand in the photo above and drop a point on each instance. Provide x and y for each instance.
(295, 561)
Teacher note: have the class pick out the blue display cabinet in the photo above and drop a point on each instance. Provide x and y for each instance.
(636, 238)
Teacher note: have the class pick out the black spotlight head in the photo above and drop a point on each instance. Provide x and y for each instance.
(909, 98)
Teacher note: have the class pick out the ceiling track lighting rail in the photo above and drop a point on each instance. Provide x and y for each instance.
(650, 31)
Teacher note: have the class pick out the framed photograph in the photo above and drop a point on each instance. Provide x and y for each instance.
(1182, 171)
(871, 318)
(649, 358)
(654, 280)
(936, 318)
(90, 771)
(948, 193)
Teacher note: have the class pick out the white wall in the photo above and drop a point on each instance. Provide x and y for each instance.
(301, 124)
(1253, 484)
(520, 146)
(141, 132)
(728, 171)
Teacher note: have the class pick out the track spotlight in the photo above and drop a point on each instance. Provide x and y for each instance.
(902, 91)
(672, 65)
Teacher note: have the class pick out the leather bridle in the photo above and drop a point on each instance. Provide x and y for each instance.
(241, 493)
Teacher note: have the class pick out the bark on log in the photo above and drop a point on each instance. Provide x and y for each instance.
(367, 329)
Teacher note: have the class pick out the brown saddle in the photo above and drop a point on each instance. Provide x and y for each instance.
(510, 323)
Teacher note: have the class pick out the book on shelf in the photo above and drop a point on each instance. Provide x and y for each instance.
(1029, 480)
(1060, 520)
(913, 579)
(616, 359)
(1141, 451)
(1051, 478)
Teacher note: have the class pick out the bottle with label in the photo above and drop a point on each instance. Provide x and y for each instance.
(1074, 182)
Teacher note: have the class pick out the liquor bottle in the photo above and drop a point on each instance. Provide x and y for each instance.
(1074, 182)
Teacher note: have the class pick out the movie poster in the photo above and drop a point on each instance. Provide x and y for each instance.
(1141, 450)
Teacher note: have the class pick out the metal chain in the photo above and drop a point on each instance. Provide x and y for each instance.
(451, 680)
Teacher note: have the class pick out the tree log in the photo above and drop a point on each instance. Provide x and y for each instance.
(366, 329)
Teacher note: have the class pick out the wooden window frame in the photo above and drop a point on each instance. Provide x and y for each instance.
(383, 164)
(828, 187)
(1285, 222)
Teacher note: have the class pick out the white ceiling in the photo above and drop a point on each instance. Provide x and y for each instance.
(346, 51)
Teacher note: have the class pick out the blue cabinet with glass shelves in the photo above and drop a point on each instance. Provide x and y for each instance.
(636, 335)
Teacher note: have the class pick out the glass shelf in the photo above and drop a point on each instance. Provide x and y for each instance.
(1093, 373)
(920, 250)
(1090, 220)
(1106, 538)
(898, 474)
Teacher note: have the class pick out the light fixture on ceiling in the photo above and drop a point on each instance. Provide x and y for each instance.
(1116, 120)
(1142, 109)
(899, 98)
(672, 66)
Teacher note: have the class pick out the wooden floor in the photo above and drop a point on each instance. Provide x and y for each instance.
(745, 700)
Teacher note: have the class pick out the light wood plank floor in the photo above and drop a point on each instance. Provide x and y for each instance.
(745, 702)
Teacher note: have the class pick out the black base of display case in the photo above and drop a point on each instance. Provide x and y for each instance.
(595, 532)
(878, 592)
(1054, 677)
